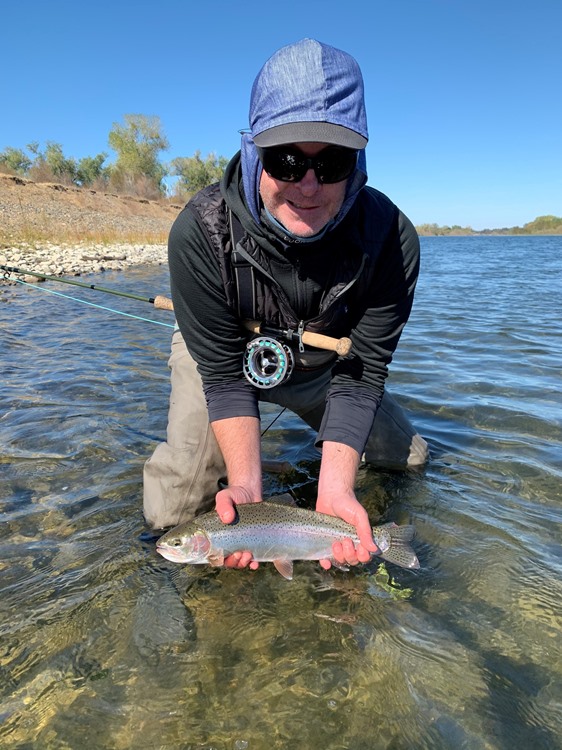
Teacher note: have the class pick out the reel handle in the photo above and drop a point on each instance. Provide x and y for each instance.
(340, 346)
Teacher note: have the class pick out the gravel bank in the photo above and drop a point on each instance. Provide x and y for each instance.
(84, 258)
(34, 212)
(68, 231)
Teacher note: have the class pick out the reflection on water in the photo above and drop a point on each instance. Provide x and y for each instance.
(105, 645)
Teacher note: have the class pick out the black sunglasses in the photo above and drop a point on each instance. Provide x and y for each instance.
(332, 164)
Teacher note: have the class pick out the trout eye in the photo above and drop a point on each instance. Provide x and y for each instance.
(175, 542)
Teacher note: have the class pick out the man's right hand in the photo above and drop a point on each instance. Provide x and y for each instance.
(226, 501)
(239, 441)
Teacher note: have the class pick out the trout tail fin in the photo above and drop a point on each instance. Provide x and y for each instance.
(399, 551)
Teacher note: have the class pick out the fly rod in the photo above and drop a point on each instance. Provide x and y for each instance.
(341, 346)
(163, 303)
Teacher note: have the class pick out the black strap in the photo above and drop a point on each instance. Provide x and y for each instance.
(243, 272)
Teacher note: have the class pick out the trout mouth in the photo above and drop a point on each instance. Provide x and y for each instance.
(170, 553)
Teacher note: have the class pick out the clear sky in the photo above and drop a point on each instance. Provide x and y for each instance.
(464, 97)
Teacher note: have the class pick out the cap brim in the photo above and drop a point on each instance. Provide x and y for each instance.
(310, 132)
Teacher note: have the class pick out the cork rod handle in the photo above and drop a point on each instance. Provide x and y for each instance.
(318, 340)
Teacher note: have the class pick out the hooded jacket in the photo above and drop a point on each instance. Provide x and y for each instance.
(357, 280)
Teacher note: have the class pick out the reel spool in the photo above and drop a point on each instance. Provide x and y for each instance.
(267, 362)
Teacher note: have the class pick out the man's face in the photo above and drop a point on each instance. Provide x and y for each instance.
(305, 207)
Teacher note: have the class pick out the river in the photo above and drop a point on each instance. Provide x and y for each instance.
(104, 644)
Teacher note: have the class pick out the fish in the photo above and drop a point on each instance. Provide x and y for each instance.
(278, 532)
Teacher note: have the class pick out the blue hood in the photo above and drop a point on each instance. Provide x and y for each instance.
(307, 91)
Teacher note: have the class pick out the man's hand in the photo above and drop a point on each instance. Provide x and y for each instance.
(239, 441)
(226, 501)
(336, 497)
(349, 509)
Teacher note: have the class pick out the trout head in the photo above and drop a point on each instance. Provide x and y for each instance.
(185, 547)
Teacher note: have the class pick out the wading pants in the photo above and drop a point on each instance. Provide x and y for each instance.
(181, 477)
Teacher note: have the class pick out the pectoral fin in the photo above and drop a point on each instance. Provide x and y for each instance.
(216, 558)
(285, 567)
(339, 566)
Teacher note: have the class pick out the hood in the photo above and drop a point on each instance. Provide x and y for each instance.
(307, 91)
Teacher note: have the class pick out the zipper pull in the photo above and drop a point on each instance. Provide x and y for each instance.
(300, 331)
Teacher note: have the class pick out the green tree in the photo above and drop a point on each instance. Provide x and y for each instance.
(544, 225)
(15, 160)
(90, 169)
(138, 144)
(61, 166)
(196, 173)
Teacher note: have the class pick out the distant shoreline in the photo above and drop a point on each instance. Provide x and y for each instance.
(67, 231)
(493, 233)
(542, 225)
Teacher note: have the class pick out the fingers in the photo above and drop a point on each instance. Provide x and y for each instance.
(240, 559)
(225, 507)
(366, 539)
(364, 531)
(346, 553)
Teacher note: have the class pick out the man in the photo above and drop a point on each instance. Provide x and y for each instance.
(292, 237)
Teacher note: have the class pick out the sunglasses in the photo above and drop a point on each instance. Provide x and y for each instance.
(332, 164)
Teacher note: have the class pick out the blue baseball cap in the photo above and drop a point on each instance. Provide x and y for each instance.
(309, 92)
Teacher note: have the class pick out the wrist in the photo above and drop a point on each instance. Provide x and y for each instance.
(251, 490)
(338, 469)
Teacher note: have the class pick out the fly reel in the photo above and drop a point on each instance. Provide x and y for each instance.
(267, 362)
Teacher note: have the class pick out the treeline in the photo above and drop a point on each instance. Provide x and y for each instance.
(137, 170)
(540, 225)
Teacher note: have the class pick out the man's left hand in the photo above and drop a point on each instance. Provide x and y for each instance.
(349, 509)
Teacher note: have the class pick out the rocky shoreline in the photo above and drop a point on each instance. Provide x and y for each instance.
(78, 259)
(59, 230)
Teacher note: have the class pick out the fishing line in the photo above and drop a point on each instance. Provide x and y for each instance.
(274, 420)
(128, 315)
(8, 270)
(93, 304)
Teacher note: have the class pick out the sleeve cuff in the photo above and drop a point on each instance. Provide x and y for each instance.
(232, 399)
(348, 419)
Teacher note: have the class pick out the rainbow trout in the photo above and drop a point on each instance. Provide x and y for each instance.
(279, 533)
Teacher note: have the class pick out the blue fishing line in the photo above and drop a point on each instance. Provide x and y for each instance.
(93, 304)
(128, 315)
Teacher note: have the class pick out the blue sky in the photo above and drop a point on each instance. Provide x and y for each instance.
(464, 98)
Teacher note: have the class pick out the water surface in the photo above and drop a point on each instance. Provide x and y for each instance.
(106, 645)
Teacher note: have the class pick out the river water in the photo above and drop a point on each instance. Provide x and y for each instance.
(103, 644)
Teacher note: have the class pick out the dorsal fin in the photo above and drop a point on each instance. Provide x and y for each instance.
(285, 499)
